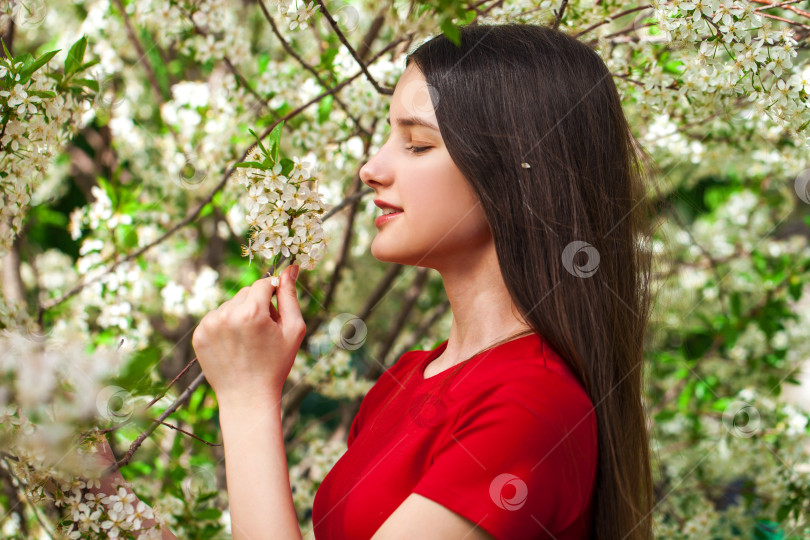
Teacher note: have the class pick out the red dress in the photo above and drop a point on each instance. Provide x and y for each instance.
(508, 440)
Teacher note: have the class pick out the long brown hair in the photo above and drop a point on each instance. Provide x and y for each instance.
(532, 118)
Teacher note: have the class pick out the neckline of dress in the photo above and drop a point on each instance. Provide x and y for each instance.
(438, 350)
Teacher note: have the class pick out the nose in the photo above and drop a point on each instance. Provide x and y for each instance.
(376, 172)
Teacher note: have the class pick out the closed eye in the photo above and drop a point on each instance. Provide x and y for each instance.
(417, 149)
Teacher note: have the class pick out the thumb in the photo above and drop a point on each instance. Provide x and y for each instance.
(287, 297)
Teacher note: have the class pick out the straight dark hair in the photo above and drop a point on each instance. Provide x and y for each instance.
(532, 118)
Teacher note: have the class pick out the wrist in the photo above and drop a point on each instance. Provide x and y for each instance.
(247, 402)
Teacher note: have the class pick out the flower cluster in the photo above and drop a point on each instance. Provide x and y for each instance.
(282, 211)
(739, 52)
(46, 385)
(297, 18)
(38, 115)
(94, 514)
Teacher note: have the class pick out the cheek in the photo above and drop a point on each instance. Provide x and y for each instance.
(444, 201)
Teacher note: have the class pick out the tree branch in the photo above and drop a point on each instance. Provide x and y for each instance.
(292, 52)
(611, 19)
(559, 14)
(342, 38)
(155, 423)
(150, 73)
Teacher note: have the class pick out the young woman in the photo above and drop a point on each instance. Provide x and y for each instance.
(514, 175)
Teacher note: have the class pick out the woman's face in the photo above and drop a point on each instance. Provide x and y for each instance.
(442, 220)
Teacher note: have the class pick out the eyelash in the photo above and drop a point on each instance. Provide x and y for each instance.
(417, 149)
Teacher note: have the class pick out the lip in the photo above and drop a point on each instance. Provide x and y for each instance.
(388, 217)
(382, 204)
(381, 220)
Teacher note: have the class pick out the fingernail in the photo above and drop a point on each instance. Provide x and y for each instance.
(294, 272)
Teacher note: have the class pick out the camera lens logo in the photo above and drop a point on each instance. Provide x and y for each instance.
(427, 410)
(571, 250)
(502, 485)
(741, 419)
(348, 331)
(115, 404)
(802, 186)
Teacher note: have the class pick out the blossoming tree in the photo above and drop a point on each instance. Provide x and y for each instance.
(148, 147)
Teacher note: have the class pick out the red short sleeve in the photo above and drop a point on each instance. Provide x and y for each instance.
(519, 461)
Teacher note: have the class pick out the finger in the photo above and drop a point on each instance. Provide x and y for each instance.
(261, 292)
(288, 306)
(273, 311)
(239, 297)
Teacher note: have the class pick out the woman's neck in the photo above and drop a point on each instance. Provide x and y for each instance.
(483, 312)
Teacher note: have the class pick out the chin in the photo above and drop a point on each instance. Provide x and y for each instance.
(388, 255)
(383, 255)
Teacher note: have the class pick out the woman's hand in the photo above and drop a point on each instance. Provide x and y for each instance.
(246, 347)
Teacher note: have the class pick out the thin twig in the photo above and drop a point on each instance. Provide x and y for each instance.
(769, 5)
(611, 19)
(559, 14)
(33, 506)
(187, 433)
(147, 66)
(155, 423)
(342, 38)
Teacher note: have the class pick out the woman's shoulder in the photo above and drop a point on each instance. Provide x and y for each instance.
(530, 373)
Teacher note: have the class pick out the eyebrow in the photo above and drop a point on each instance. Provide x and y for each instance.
(409, 121)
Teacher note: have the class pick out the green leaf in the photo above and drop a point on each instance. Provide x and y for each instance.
(274, 141)
(75, 56)
(249, 164)
(736, 304)
(259, 141)
(206, 210)
(286, 166)
(721, 404)
(86, 65)
(208, 513)
(27, 59)
(769, 530)
(795, 289)
(451, 31)
(88, 83)
(5, 49)
(29, 70)
(43, 93)
(324, 108)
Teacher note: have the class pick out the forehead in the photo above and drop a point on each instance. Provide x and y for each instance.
(412, 96)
